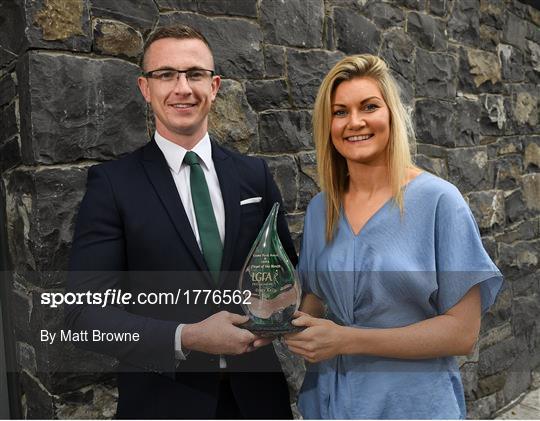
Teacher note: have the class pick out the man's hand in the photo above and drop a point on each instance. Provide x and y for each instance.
(320, 340)
(218, 334)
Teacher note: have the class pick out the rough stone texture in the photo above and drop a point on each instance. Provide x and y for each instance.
(8, 123)
(435, 122)
(63, 24)
(285, 172)
(141, 14)
(76, 107)
(484, 66)
(512, 63)
(7, 89)
(306, 69)
(232, 121)
(384, 15)
(12, 37)
(296, 23)
(235, 56)
(246, 8)
(464, 22)
(398, 52)
(469, 70)
(427, 31)
(41, 207)
(308, 179)
(274, 61)
(365, 39)
(470, 169)
(435, 74)
(488, 208)
(265, 94)
(116, 38)
(285, 131)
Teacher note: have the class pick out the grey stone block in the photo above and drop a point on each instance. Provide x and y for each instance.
(488, 208)
(467, 122)
(514, 30)
(285, 131)
(435, 75)
(354, 33)
(141, 15)
(412, 4)
(508, 172)
(77, 107)
(12, 35)
(266, 94)
(464, 22)
(497, 358)
(384, 15)
(515, 206)
(398, 51)
(296, 23)
(492, 12)
(246, 8)
(435, 122)
(512, 63)
(7, 89)
(177, 5)
(10, 152)
(470, 169)
(41, 205)
(308, 179)
(439, 7)
(8, 122)
(306, 71)
(231, 120)
(435, 166)
(236, 43)
(274, 61)
(285, 173)
(427, 31)
(520, 257)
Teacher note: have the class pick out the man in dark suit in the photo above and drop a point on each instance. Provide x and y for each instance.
(175, 217)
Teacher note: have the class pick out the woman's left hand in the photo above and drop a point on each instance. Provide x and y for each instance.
(320, 340)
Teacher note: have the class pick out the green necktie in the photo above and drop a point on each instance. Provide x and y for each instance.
(206, 220)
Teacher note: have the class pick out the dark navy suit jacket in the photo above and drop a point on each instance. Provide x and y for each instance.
(132, 234)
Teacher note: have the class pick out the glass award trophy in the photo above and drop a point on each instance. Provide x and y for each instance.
(272, 282)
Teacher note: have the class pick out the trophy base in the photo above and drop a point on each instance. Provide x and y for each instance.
(270, 330)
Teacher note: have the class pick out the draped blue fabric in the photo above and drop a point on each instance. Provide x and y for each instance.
(398, 270)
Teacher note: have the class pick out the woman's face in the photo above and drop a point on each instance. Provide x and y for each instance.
(360, 122)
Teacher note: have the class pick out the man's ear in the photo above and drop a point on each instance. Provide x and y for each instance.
(216, 83)
(143, 86)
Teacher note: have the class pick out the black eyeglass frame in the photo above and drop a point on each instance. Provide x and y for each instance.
(149, 74)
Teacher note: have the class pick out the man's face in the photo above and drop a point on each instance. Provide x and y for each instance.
(180, 108)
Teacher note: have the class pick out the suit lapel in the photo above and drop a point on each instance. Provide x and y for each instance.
(230, 191)
(160, 176)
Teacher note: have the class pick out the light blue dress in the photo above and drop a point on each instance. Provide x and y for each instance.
(399, 270)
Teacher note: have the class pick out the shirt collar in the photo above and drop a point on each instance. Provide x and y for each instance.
(174, 154)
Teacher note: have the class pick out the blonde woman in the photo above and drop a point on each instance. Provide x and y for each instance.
(395, 256)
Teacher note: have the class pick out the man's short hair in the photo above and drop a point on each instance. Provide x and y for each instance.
(177, 31)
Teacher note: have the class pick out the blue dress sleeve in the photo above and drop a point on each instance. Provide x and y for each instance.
(461, 260)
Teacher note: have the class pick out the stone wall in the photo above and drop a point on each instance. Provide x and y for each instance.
(469, 71)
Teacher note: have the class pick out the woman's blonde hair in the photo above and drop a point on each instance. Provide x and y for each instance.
(332, 167)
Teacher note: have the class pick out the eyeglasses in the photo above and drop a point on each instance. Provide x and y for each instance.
(193, 76)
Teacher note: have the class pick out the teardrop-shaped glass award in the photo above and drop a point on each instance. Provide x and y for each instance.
(271, 279)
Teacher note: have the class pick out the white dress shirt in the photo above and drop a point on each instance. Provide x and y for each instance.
(174, 155)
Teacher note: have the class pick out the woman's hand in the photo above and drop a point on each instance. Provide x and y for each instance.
(320, 340)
